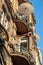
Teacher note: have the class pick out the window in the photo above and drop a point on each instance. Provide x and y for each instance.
(24, 44)
(1, 16)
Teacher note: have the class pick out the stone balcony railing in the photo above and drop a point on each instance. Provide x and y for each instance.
(21, 51)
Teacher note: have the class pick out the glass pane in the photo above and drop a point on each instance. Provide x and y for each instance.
(24, 44)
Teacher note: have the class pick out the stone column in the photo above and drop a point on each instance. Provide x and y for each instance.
(15, 5)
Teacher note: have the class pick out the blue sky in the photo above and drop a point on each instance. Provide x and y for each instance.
(38, 12)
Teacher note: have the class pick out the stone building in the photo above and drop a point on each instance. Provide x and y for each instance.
(18, 34)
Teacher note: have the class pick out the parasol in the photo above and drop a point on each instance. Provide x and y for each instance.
(25, 9)
(37, 37)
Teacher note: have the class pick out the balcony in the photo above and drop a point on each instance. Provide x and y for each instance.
(22, 54)
(23, 27)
